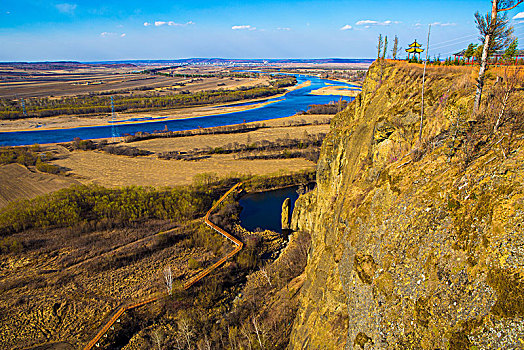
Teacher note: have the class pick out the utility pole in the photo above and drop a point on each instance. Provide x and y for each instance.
(423, 82)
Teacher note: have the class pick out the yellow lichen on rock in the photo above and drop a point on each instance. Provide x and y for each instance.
(411, 239)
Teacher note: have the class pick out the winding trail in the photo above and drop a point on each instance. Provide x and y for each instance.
(238, 247)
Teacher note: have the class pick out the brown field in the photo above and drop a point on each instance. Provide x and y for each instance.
(17, 182)
(63, 286)
(16, 83)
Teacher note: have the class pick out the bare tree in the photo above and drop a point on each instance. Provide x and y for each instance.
(395, 49)
(168, 279)
(158, 337)
(385, 47)
(246, 334)
(495, 34)
(264, 273)
(257, 331)
(185, 329)
(503, 92)
(379, 46)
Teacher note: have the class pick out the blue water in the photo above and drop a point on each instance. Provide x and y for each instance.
(264, 209)
(293, 102)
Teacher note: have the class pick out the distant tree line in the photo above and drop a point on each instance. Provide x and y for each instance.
(88, 145)
(227, 129)
(29, 156)
(86, 204)
(330, 108)
(73, 206)
(306, 147)
(89, 105)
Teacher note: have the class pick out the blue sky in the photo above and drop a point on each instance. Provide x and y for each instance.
(33, 30)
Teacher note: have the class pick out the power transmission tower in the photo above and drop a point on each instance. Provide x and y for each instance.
(23, 105)
(113, 121)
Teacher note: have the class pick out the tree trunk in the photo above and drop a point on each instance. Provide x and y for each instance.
(484, 59)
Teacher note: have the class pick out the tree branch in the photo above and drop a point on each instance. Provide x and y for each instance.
(512, 7)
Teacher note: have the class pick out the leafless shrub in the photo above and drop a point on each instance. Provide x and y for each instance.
(168, 279)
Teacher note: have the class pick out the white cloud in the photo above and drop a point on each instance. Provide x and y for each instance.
(519, 15)
(111, 35)
(346, 27)
(174, 24)
(368, 23)
(243, 27)
(284, 28)
(447, 24)
(66, 8)
(169, 23)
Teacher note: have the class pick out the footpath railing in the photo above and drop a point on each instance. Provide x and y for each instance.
(120, 311)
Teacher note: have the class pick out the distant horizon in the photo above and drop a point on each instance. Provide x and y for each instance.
(198, 58)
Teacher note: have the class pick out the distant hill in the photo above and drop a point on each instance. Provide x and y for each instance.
(185, 61)
(239, 61)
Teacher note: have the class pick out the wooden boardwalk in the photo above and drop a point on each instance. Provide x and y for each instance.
(187, 285)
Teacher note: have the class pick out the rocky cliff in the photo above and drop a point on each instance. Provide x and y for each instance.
(416, 244)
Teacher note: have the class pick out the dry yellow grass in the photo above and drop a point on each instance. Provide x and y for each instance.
(220, 140)
(110, 170)
(335, 90)
(17, 182)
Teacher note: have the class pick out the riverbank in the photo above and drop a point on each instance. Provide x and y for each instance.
(69, 122)
(115, 170)
(335, 91)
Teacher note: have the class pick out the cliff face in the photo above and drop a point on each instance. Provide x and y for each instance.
(414, 245)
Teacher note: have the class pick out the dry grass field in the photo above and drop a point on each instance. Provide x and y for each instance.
(113, 170)
(63, 285)
(20, 83)
(17, 182)
(185, 144)
(335, 90)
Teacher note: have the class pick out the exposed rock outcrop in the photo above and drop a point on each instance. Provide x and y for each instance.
(285, 213)
(413, 247)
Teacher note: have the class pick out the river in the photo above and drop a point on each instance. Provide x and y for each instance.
(293, 102)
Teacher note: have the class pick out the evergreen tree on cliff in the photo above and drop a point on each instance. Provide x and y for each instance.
(496, 34)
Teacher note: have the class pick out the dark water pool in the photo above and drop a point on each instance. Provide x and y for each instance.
(263, 209)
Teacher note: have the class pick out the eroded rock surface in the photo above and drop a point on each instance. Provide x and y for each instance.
(411, 248)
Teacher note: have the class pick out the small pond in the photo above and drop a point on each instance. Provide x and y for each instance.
(263, 209)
